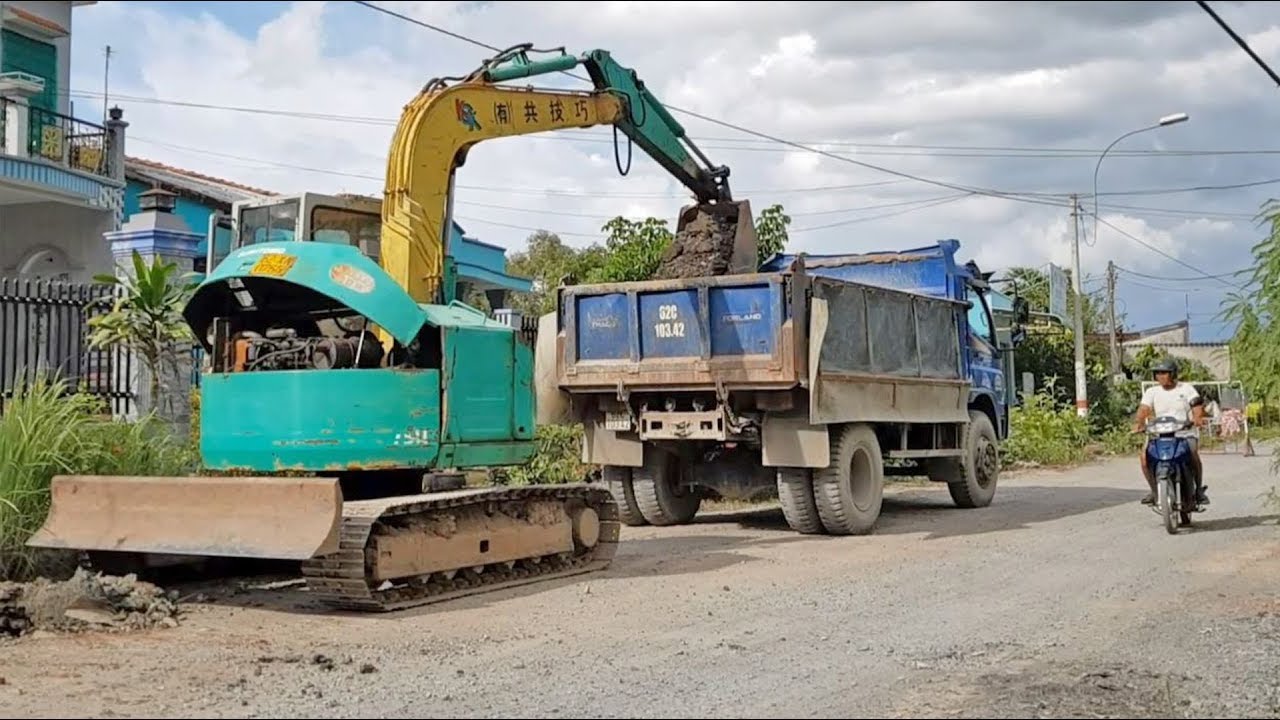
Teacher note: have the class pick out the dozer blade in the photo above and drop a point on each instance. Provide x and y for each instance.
(723, 219)
(246, 517)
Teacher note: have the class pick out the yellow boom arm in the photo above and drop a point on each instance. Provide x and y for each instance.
(433, 136)
(438, 127)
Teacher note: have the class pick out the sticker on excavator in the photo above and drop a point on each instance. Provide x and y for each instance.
(273, 265)
(351, 278)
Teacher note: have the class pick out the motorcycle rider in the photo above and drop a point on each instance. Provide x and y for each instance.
(1180, 400)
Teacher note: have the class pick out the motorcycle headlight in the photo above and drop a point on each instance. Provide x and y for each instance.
(1161, 428)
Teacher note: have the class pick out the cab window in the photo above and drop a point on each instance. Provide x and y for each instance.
(980, 318)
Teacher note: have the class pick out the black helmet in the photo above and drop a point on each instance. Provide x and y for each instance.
(1165, 365)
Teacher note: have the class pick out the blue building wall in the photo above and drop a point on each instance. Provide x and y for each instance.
(194, 214)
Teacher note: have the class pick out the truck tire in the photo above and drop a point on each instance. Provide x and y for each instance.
(795, 492)
(850, 491)
(659, 495)
(972, 482)
(618, 480)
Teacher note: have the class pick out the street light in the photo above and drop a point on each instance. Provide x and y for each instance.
(1082, 398)
(1165, 121)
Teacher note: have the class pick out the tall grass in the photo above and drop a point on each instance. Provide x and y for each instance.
(1043, 433)
(47, 430)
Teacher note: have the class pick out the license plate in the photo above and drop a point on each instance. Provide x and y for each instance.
(273, 265)
(617, 421)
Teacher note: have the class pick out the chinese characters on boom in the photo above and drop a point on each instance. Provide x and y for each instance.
(505, 112)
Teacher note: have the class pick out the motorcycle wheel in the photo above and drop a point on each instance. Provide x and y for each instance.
(1187, 499)
(1164, 499)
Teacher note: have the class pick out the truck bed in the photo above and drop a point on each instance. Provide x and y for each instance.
(755, 331)
(687, 333)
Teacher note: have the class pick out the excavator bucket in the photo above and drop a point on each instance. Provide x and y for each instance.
(246, 517)
(712, 239)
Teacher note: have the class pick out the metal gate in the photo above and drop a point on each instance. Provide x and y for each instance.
(44, 329)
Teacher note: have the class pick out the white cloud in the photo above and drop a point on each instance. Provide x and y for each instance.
(871, 82)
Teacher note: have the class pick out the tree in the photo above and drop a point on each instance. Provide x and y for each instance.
(1255, 345)
(548, 261)
(771, 232)
(146, 317)
(633, 249)
(1033, 284)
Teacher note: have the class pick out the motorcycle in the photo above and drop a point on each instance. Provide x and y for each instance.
(1169, 457)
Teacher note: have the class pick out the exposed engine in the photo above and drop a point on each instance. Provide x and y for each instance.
(283, 349)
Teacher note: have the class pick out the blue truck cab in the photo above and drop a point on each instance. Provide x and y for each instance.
(812, 378)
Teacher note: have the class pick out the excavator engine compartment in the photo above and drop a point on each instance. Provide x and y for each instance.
(284, 348)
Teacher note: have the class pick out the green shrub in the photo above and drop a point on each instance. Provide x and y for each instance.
(1044, 433)
(47, 431)
(1120, 440)
(557, 461)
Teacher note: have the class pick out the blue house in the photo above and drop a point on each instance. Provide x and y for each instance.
(480, 265)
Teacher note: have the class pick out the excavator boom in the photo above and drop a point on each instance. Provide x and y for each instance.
(439, 126)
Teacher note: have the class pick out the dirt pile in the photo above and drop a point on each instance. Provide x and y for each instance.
(87, 600)
(703, 247)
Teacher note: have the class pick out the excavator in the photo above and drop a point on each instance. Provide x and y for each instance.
(348, 389)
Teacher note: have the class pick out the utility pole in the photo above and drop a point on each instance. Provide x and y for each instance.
(1082, 390)
(1111, 308)
(106, 80)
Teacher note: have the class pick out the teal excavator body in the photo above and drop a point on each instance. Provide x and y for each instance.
(297, 378)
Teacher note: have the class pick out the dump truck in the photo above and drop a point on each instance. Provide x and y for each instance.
(812, 378)
(348, 387)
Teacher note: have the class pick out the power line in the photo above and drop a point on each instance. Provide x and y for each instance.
(1019, 197)
(1198, 188)
(565, 193)
(1179, 279)
(494, 188)
(781, 141)
(1153, 248)
(762, 145)
(1239, 40)
(923, 203)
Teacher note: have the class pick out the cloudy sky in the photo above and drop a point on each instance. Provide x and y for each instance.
(1001, 98)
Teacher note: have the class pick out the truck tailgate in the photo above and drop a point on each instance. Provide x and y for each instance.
(736, 330)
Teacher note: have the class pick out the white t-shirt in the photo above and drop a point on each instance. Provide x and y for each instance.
(1175, 402)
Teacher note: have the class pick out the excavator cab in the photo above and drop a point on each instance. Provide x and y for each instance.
(342, 219)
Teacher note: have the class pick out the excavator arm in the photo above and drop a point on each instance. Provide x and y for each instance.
(444, 121)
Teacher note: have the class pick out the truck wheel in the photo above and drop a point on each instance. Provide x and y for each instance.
(849, 492)
(795, 491)
(618, 480)
(658, 492)
(973, 484)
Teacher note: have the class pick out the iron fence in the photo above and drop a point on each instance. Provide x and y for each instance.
(60, 139)
(44, 329)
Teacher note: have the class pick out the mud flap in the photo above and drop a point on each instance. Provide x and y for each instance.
(247, 517)
(552, 404)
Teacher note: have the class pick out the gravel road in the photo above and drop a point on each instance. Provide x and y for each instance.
(1065, 598)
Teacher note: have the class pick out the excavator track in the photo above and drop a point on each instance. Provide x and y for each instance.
(407, 551)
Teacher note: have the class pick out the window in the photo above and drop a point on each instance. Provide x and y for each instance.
(269, 224)
(24, 54)
(978, 316)
(343, 226)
